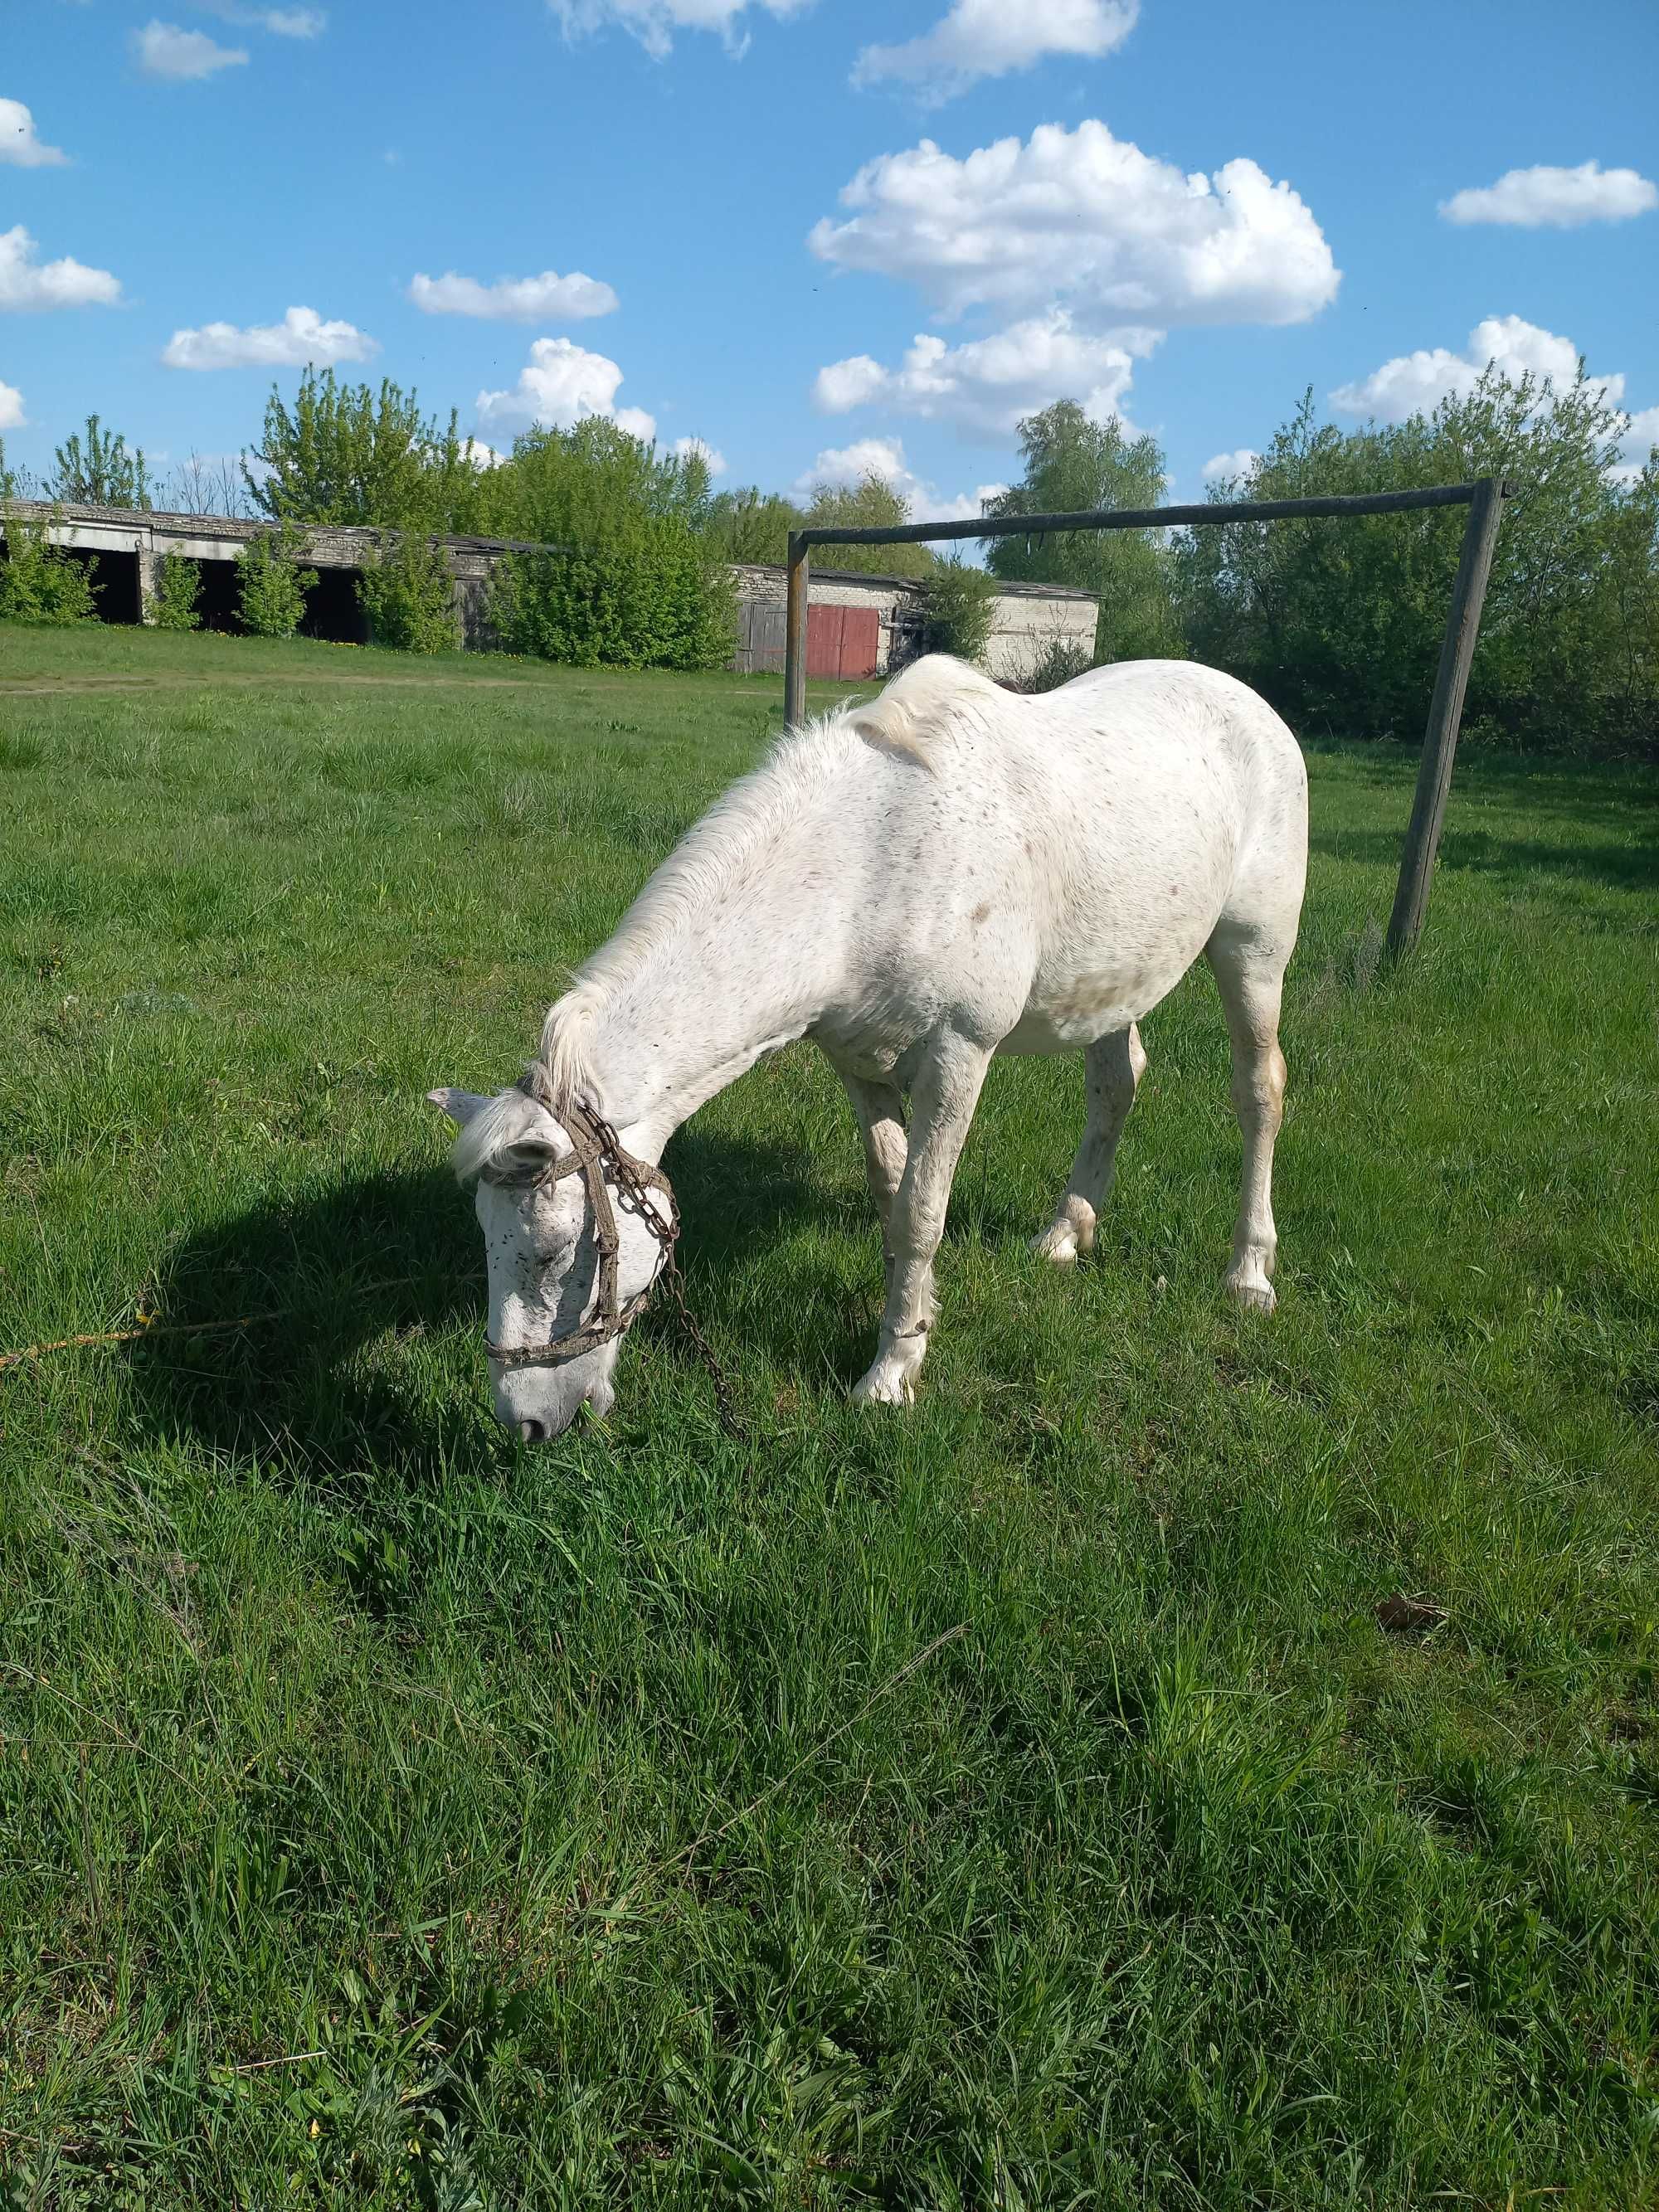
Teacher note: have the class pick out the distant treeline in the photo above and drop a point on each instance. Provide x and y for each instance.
(1338, 623)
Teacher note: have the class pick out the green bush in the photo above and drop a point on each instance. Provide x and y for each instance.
(409, 597)
(40, 582)
(270, 584)
(1059, 661)
(661, 604)
(958, 603)
(178, 586)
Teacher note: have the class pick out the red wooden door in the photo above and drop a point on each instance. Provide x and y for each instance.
(842, 642)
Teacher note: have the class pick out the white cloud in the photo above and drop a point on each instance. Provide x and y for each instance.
(560, 384)
(162, 49)
(480, 455)
(18, 144)
(1082, 219)
(546, 298)
(884, 457)
(654, 22)
(986, 386)
(301, 338)
(1223, 467)
(26, 282)
(989, 38)
(12, 416)
(280, 22)
(1414, 383)
(1558, 199)
(711, 457)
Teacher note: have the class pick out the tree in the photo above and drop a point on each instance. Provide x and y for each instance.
(346, 455)
(99, 470)
(1073, 462)
(752, 525)
(1339, 623)
(871, 504)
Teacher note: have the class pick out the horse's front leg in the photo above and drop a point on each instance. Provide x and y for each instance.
(942, 1101)
(880, 1113)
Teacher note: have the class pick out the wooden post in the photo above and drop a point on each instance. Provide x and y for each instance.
(1411, 899)
(794, 642)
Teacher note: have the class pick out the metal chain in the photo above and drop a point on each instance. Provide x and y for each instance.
(626, 1174)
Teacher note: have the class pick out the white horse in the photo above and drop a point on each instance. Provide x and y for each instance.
(916, 884)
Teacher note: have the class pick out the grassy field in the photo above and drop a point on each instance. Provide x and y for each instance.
(1016, 1804)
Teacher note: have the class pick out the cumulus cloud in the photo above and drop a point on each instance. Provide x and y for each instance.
(12, 416)
(163, 50)
(1082, 219)
(1223, 468)
(1414, 383)
(711, 457)
(560, 384)
(26, 282)
(302, 337)
(884, 457)
(480, 455)
(1558, 199)
(990, 38)
(18, 144)
(654, 22)
(985, 386)
(547, 298)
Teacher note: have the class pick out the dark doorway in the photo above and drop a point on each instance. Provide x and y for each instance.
(333, 611)
(218, 600)
(114, 581)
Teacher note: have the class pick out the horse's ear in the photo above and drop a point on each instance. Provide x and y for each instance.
(460, 1105)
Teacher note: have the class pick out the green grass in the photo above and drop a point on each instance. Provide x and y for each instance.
(391, 1817)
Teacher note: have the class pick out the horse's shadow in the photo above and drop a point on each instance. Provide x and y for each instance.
(286, 1308)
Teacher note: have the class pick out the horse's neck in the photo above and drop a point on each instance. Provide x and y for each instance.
(702, 1008)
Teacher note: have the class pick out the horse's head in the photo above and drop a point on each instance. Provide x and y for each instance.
(575, 1231)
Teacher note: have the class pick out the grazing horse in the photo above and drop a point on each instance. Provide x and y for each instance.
(946, 873)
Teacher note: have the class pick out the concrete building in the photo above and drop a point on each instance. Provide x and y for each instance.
(859, 626)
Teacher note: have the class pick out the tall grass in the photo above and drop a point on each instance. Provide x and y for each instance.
(1020, 1803)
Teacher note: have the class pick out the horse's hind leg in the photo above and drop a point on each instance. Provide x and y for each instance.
(1113, 1067)
(1250, 970)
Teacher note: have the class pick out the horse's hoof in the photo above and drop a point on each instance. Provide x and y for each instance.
(1252, 1297)
(1058, 1244)
(877, 1388)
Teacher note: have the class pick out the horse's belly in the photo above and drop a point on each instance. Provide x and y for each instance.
(1064, 1013)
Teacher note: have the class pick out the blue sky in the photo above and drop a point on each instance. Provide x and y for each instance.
(694, 160)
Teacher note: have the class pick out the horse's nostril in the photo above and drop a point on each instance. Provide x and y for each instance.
(533, 1433)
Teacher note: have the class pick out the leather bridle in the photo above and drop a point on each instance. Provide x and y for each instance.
(595, 1151)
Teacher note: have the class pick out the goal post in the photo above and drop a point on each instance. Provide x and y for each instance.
(1485, 501)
